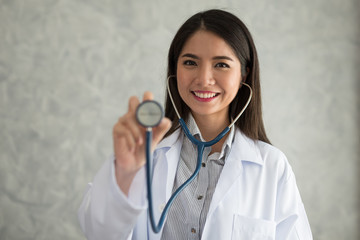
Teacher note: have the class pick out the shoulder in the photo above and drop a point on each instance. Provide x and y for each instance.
(267, 156)
(274, 158)
(269, 152)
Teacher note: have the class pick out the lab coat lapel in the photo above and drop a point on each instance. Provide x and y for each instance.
(172, 160)
(172, 147)
(164, 174)
(166, 168)
(243, 149)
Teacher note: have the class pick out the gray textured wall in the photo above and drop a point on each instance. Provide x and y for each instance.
(68, 67)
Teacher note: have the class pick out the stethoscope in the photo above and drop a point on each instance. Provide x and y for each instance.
(149, 114)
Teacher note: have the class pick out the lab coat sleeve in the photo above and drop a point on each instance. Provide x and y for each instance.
(292, 222)
(105, 212)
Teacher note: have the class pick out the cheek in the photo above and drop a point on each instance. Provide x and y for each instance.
(181, 85)
(233, 87)
(182, 80)
(182, 88)
(233, 82)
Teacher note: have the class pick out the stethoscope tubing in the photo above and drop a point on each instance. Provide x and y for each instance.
(200, 148)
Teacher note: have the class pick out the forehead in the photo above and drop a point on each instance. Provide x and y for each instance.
(207, 43)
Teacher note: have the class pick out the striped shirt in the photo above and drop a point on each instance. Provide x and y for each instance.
(186, 217)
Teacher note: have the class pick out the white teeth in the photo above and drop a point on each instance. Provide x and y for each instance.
(205, 95)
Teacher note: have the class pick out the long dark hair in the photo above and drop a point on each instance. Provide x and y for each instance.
(236, 34)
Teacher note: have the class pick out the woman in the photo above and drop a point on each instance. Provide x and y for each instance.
(245, 189)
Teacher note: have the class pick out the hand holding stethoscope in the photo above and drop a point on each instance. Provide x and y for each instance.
(129, 142)
(132, 154)
(149, 114)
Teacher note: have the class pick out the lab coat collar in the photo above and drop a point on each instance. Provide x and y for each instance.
(245, 149)
(169, 141)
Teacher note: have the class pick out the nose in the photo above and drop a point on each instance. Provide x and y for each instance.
(205, 76)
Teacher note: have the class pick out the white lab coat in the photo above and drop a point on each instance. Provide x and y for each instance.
(256, 197)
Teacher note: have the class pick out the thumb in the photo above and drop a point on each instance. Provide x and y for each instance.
(161, 130)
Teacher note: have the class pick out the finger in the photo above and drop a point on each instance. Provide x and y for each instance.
(161, 130)
(136, 130)
(148, 96)
(122, 134)
(129, 122)
(130, 141)
(133, 103)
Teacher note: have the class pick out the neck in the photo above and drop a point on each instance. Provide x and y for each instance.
(210, 126)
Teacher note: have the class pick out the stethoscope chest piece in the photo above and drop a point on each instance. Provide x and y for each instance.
(149, 113)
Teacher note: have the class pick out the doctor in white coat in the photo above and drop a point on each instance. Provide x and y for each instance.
(246, 188)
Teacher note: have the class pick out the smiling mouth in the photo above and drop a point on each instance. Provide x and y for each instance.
(205, 95)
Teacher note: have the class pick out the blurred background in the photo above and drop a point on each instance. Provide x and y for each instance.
(68, 67)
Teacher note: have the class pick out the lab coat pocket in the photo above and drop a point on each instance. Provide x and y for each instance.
(252, 229)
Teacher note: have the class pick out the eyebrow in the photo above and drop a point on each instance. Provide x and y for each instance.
(215, 58)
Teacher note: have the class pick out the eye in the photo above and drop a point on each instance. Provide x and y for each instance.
(189, 63)
(222, 65)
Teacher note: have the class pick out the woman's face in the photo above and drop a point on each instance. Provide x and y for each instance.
(208, 75)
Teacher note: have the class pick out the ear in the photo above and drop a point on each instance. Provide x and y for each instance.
(247, 73)
(243, 77)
